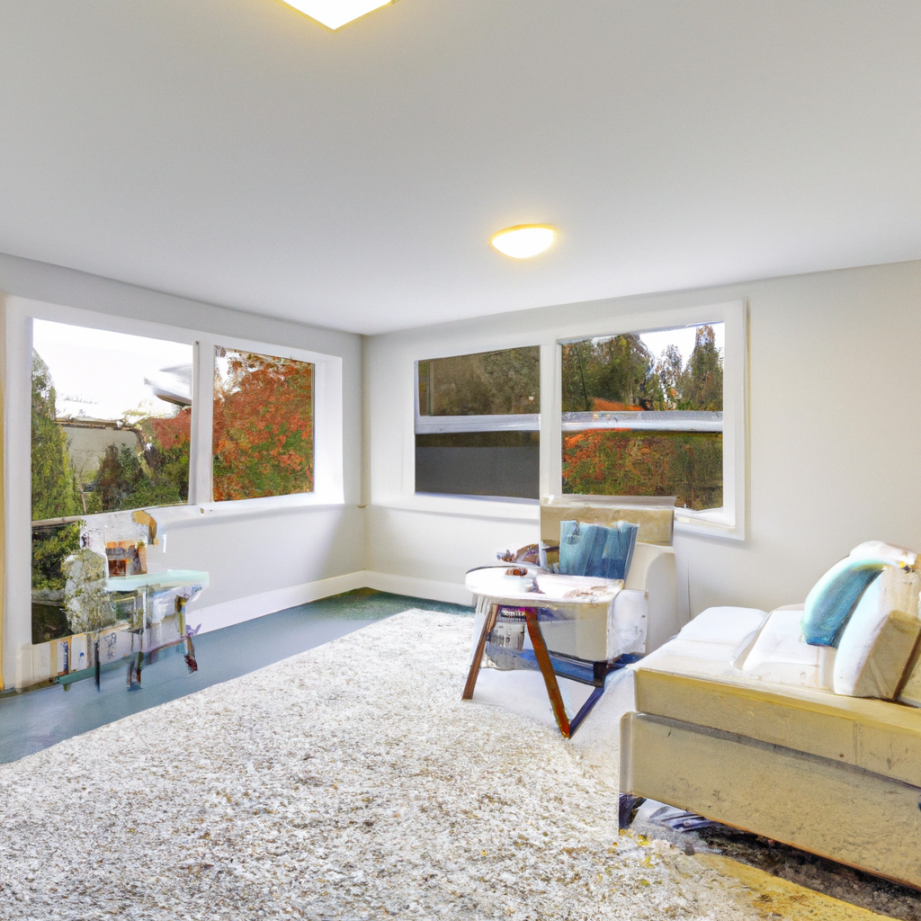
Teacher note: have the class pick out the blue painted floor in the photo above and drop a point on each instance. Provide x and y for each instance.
(36, 719)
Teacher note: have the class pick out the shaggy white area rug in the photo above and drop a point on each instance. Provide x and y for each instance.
(348, 782)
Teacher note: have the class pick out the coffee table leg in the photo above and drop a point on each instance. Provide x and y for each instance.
(546, 669)
(488, 623)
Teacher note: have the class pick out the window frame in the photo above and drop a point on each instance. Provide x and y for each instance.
(17, 317)
(486, 507)
(730, 520)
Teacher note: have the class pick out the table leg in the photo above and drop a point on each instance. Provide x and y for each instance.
(578, 719)
(546, 669)
(488, 623)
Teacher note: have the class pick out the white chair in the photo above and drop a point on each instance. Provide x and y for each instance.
(577, 627)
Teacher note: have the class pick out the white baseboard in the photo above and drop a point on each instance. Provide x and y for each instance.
(228, 613)
(451, 592)
(217, 616)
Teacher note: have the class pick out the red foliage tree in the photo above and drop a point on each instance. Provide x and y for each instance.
(174, 431)
(263, 427)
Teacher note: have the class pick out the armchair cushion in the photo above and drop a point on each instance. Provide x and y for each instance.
(597, 550)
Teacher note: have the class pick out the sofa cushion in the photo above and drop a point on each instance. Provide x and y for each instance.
(879, 638)
(779, 655)
(833, 598)
(710, 642)
(717, 632)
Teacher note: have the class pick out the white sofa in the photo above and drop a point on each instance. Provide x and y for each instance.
(737, 719)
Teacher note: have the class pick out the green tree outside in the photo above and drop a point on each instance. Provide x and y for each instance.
(701, 384)
(55, 490)
(504, 382)
(620, 371)
(126, 481)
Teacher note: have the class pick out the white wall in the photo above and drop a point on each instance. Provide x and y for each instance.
(834, 437)
(272, 559)
(835, 434)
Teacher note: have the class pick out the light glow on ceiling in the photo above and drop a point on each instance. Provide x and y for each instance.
(523, 240)
(336, 13)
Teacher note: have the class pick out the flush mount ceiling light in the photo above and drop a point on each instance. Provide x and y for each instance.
(523, 240)
(336, 13)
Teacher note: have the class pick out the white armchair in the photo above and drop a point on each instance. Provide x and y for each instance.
(577, 628)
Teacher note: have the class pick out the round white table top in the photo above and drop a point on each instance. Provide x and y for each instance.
(538, 588)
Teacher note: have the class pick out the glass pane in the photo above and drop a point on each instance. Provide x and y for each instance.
(51, 545)
(479, 464)
(487, 383)
(662, 370)
(263, 425)
(613, 462)
(110, 421)
(480, 457)
(675, 371)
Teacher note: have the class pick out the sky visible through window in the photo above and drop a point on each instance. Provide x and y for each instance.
(102, 440)
(100, 374)
(657, 341)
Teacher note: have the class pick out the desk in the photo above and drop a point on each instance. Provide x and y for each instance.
(153, 596)
(169, 578)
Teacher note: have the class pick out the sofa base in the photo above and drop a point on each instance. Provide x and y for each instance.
(830, 808)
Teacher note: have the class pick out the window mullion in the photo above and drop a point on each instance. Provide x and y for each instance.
(551, 442)
(200, 463)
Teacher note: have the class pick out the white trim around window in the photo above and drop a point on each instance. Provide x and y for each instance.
(328, 474)
(728, 522)
(17, 316)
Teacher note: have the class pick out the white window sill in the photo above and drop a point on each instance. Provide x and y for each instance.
(172, 517)
(714, 524)
(498, 509)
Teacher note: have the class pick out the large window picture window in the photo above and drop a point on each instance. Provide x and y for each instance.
(263, 425)
(478, 424)
(643, 415)
(110, 431)
(113, 417)
(110, 421)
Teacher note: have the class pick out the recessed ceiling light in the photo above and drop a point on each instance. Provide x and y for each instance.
(523, 240)
(336, 13)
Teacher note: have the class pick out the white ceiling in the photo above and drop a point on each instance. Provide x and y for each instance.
(236, 152)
